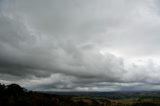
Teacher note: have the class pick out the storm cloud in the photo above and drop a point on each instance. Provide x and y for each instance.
(80, 45)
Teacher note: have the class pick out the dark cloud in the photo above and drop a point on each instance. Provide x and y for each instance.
(80, 45)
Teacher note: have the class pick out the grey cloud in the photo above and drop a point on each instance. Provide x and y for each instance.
(76, 45)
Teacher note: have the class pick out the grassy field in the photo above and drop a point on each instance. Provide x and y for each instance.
(117, 102)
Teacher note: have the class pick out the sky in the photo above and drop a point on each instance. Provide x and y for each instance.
(80, 45)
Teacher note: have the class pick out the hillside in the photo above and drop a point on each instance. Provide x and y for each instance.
(15, 95)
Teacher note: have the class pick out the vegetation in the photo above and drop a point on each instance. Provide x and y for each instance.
(15, 95)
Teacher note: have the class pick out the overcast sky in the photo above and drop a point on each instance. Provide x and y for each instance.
(80, 45)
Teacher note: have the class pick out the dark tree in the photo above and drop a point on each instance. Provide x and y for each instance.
(15, 90)
(2, 89)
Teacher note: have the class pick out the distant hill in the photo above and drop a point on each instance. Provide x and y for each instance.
(111, 95)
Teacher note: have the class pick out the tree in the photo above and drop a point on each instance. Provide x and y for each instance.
(15, 89)
(2, 89)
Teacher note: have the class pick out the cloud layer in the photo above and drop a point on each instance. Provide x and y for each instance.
(80, 45)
